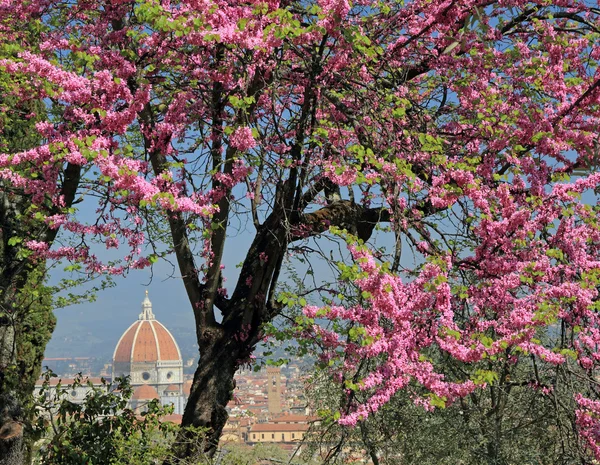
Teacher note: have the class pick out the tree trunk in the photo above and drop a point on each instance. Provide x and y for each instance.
(11, 411)
(225, 346)
(211, 391)
(11, 430)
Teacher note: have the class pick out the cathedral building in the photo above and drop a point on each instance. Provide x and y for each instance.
(148, 354)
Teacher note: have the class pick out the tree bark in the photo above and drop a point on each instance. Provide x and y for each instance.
(11, 431)
(11, 278)
(212, 389)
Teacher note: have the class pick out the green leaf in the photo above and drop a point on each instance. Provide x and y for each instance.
(14, 241)
(242, 23)
(437, 401)
(481, 377)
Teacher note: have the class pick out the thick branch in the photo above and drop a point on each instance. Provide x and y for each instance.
(221, 217)
(321, 184)
(181, 243)
(343, 214)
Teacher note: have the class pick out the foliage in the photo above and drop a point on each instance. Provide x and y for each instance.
(469, 127)
(26, 301)
(100, 430)
(233, 454)
(36, 324)
(512, 421)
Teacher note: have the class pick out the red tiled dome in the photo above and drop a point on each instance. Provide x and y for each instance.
(145, 392)
(146, 341)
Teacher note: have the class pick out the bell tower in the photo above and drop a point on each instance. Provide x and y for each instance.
(274, 389)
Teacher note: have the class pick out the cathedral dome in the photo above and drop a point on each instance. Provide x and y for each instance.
(149, 356)
(145, 392)
(146, 340)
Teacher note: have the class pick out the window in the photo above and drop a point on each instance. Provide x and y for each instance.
(262, 436)
(169, 375)
(145, 376)
(293, 436)
(282, 437)
(273, 436)
(254, 436)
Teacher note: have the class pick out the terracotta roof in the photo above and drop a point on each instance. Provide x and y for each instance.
(145, 347)
(145, 392)
(279, 427)
(173, 418)
(168, 348)
(146, 341)
(238, 421)
(293, 419)
(123, 349)
(172, 388)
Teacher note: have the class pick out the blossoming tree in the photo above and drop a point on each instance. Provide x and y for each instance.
(26, 318)
(466, 127)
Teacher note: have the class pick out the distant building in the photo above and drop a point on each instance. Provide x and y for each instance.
(294, 419)
(274, 389)
(277, 432)
(236, 430)
(148, 353)
(72, 392)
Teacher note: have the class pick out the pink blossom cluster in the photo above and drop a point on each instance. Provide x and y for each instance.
(242, 139)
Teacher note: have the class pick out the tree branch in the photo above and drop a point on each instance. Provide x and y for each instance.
(181, 243)
(343, 214)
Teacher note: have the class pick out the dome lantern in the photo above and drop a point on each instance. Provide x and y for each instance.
(146, 309)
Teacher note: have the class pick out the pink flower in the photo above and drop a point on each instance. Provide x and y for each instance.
(422, 246)
(242, 139)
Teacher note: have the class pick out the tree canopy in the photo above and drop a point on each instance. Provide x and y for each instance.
(466, 130)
